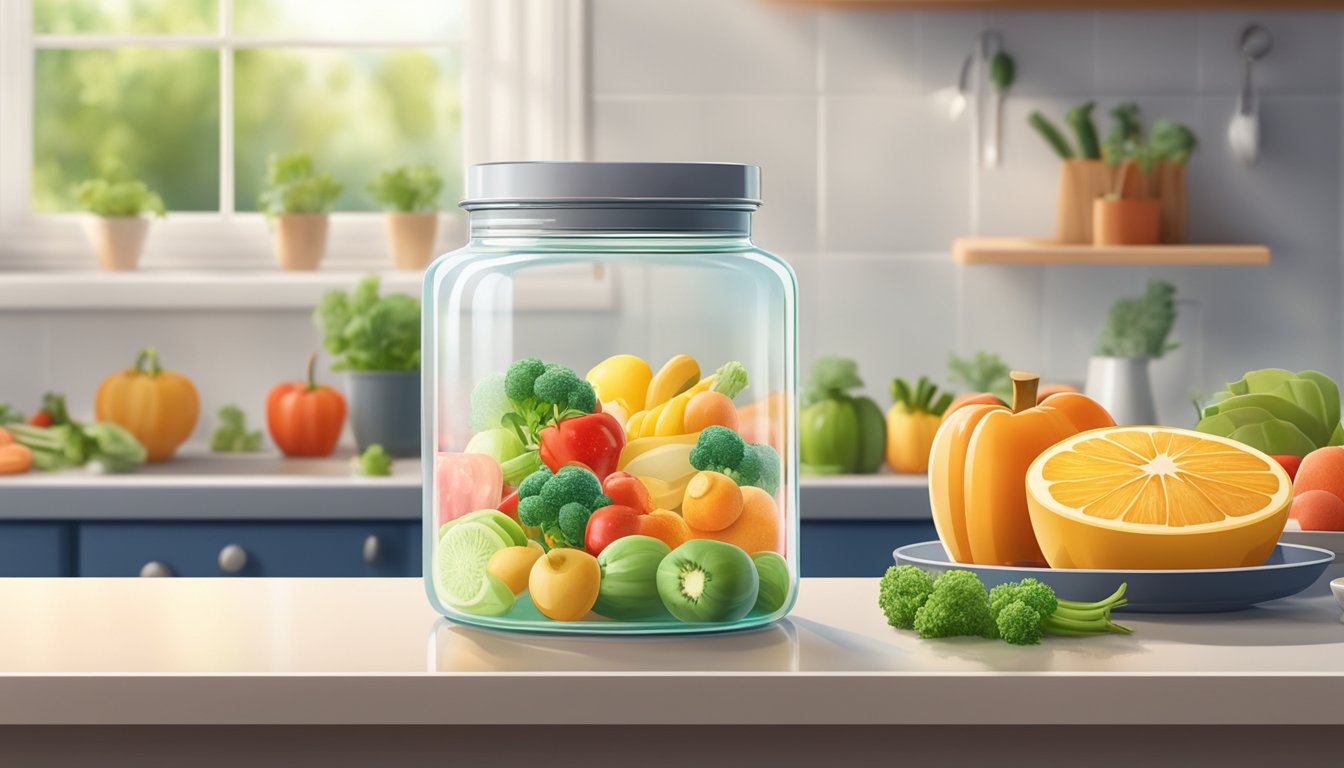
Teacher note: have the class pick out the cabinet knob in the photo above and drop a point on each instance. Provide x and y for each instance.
(371, 547)
(155, 569)
(232, 559)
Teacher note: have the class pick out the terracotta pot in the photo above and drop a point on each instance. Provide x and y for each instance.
(117, 240)
(1080, 183)
(411, 236)
(301, 240)
(1125, 222)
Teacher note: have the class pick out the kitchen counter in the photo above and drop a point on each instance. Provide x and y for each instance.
(371, 651)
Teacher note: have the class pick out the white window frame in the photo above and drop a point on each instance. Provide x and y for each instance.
(524, 97)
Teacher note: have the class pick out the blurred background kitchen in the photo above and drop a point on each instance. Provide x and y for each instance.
(869, 173)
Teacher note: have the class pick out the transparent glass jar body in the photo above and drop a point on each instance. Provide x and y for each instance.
(578, 298)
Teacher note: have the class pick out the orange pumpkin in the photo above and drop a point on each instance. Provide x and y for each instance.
(159, 407)
(978, 468)
(305, 418)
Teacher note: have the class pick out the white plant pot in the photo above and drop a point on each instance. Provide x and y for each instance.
(301, 240)
(117, 240)
(411, 236)
(1123, 386)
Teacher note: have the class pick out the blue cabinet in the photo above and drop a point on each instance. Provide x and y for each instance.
(37, 549)
(860, 548)
(299, 548)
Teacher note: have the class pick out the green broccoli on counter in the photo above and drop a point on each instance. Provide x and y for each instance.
(1026, 610)
(231, 434)
(957, 607)
(560, 503)
(373, 462)
(720, 449)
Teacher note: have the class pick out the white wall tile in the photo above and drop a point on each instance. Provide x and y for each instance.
(702, 46)
(1019, 198)
(944, 39)
(1001, 311)
(777, 133)
(1140, 52)
(896, 174)
(1075, 303)
(1305, 58)
(870, 49)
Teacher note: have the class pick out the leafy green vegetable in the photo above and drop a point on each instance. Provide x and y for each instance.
(982, 372)
(560, 503)
(719, 449)
(1051, 134)
(902, 592)
(71, 445)
(9, 416)
(1139, 326)
(1277, 411)
(1080, 120)
(231, 435)
(730, 379)
(118, 198)
(408, 189)
(369, 333)
(293, 186)
(373, 462)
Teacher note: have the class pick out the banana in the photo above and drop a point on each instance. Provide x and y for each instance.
(676, 376)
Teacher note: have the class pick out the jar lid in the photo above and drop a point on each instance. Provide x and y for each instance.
(700, 185)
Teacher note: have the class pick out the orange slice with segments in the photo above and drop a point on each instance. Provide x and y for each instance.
(1156, 498)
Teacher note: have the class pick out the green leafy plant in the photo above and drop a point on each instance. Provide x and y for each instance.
(982, 372)
(231, 434)
(366, 332)
(1171, 142)
(1140, 326)
(293, 186)
(1277, 411)
(118, 198)
(408, 188)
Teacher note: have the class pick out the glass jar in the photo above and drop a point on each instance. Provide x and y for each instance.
(609, 397)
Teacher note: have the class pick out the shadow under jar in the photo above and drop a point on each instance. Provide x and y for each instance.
(641, 279)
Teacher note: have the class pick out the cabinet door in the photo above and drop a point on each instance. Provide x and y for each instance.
(857, 547)
(37, 549)
(250, 549)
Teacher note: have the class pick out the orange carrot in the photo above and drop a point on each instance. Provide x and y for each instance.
(5, 437)
(15, 459)
(710, 408)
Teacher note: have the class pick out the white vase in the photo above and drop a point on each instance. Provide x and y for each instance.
(1123, 387)
(117, 240)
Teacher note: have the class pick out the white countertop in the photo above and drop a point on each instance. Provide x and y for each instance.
(182, 651)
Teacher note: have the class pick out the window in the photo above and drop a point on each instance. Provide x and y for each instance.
(192, 96)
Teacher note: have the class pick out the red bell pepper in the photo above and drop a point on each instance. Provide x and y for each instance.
(627, 490)
(594, 440)
(466, 482)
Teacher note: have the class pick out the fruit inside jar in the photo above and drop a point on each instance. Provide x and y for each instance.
(626, 495)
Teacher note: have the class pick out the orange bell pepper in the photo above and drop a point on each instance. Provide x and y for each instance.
(978, 468)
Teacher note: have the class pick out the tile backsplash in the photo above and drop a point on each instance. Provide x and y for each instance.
(866, 182)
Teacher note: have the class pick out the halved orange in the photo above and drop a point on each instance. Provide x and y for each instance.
(1148, 498)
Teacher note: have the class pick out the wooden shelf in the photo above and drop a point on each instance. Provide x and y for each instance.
(1021, 250)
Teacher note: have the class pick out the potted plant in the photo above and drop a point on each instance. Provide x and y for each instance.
(119, 220)
(1127, 214)
(1135, 334)
(376, 340)
(298, 202)
(410, 198)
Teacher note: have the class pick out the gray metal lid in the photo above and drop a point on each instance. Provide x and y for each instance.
(710, 185)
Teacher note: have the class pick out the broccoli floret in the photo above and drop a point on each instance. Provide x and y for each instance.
(1019, 624)
(720, 449)
(730, 379)
(1053, 616)
(521, 377)
(957, 607)
(902, 593)
(373, 462)
(560, 503)
(564, 390)
(768, 460)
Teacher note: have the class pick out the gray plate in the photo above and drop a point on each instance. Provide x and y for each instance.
(1290, 569)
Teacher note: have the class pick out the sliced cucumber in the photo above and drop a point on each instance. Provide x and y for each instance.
(461, 570)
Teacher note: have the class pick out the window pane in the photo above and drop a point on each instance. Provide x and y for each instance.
(358, 19)
(150, 114)
(355, 111)
(135, 17)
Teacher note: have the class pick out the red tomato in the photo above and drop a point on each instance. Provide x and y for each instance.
(305, 418)
(627, 490)
(609, 524)
(509, 505)
(1290, 464)
(40, 419)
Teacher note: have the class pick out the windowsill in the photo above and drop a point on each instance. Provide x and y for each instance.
(182, 289)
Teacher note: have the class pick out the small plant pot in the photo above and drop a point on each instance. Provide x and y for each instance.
(301, 240)
(411, 236)
(117, 241)
(1123, 386)
(1125, 222)
(385, 409)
